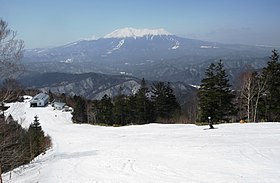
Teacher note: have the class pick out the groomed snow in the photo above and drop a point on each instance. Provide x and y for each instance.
(177, 45)
(151, 153)
(119, 45)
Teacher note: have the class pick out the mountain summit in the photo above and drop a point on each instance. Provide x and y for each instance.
(149, 53)
(132, 32)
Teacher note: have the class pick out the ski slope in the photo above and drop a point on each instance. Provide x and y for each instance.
(152, 153)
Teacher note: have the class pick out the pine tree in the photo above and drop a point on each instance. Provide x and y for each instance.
(132, 112)
(79, 113)
(272, 73)
(36, 138)
(144, 108)
(215, 99)
(226, 95)
(121, 110)
(165, 103)
(104, 111)
(36, 124)
(206, 96)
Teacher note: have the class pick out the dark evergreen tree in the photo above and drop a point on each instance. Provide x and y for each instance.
(36, 138)
(144, 108)
(215, 99)
(165, 103)
(226, 96)
(79, 114)
(272, 74)
(132, 112)
(121, 110)
(206, 96)
(104, 111)
(63, 97)
(36, 124)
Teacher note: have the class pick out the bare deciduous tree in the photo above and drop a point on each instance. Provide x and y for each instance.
(248, 91)
(252, 87)
(11, 89)
(12, 152)
(260, 89)
(11, 52)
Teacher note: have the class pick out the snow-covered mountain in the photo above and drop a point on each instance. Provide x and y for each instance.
(154, 54)
(131, 45)
(132, 32)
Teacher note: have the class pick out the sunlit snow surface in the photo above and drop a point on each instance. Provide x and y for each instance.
(151, 153)
(132, 32)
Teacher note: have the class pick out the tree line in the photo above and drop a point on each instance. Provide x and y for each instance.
(150, 104)
(19, 146)
(256, 97)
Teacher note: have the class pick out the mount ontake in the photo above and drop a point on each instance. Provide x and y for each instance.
(154, 54)
(132, 32)
(126, 45)
(131, 45)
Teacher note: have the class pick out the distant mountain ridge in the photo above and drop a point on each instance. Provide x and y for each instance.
(95, 86)
(134, 45)
(154, 54)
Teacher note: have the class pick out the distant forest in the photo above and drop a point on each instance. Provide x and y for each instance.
(256, 99)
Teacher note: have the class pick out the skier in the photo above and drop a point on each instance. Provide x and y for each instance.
(210, 123)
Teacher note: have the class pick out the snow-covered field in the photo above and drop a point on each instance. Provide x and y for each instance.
(151, 153)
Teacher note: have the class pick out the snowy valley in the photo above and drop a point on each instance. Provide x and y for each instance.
(149, 153)
(139, 92)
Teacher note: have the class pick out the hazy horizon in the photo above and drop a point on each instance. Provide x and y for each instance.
(54, 23)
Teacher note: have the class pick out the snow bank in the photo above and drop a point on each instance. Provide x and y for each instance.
(150, 153)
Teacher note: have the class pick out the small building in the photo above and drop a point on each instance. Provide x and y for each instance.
(68, 109)
(39, 100)
(58, 105)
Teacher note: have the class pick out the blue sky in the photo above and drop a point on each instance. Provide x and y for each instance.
(42, 23)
